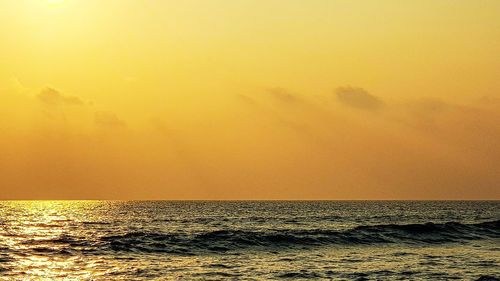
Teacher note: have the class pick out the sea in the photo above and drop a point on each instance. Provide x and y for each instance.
(250, 240)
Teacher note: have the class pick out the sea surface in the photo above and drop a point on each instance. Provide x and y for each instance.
(243, 240)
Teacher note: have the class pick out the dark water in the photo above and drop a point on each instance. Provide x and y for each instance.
(118, 240)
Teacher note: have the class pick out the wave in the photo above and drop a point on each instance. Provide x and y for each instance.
(231, 240)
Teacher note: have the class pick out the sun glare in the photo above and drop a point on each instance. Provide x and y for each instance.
(55, 2)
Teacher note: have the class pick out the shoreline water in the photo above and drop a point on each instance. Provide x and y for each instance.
(249, 240)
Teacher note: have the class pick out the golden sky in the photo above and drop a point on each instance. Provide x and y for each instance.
(249, 99)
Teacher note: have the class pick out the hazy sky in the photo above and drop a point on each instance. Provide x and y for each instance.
(249, 99)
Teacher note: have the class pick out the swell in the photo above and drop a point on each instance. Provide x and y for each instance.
(230, 240)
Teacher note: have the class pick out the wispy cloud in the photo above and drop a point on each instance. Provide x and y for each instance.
(358, 98)
(52, 97)
(108, 119)
(282, 94)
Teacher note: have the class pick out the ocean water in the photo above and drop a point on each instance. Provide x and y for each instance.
(181, 240)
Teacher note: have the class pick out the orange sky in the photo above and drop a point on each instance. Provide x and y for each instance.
(243, 99)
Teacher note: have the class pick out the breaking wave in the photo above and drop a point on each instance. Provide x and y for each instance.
(231, 240)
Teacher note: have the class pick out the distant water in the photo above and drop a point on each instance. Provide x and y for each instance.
(336, 240)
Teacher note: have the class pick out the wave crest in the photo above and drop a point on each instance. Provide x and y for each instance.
(228, 240)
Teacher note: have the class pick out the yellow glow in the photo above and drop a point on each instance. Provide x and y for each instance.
(55, 2)
(239, 99)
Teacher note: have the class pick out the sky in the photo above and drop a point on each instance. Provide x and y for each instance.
(249, 99)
